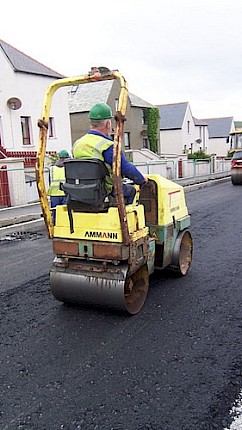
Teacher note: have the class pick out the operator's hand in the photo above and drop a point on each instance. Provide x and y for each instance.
(146, 179)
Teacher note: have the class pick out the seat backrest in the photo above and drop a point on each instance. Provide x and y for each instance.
(85, 181)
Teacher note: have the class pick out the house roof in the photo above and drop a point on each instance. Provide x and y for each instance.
(199, 121)
(23, 63)
(138, 102)
(83, 97)
(172, 115)
(219, 127)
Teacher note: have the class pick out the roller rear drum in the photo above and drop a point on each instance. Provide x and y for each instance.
(236, 176)
(113, 288)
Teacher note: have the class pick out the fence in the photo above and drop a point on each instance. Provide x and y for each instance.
(18, 185)
(29, 157)
(181, 168)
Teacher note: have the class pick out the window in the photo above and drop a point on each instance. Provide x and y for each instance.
(127, 140)
(25, 126)
(144, 117)
(145, 143)
(74, 89)
(51, 127)
(188, 127)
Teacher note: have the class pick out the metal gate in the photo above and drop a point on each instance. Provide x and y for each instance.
(4, 188)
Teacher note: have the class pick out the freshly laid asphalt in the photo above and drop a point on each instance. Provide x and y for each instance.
(176, 365)
(29, 217)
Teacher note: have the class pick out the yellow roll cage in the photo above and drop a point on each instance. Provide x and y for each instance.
(118, 136)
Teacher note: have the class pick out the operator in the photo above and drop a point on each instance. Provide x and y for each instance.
(57, 175)
(98, 144)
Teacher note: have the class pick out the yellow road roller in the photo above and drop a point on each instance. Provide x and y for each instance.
(105, 250)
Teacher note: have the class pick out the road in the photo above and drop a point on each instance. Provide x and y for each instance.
(174, 366)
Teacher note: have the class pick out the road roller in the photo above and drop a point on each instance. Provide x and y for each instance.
(236, 167)
(105, 250)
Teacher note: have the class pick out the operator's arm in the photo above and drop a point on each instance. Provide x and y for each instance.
(127, 169)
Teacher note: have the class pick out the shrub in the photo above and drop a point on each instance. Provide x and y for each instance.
(152, 127)
(200, 154)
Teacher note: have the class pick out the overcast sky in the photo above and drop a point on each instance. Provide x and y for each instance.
(169, 51)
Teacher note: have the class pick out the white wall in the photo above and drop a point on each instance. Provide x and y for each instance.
(218, 146)
(171, 141)
(175, 141)
(202, 133)
(189, 136)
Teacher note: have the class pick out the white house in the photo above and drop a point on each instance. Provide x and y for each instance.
(219, 130)
(23, 82)
(180, 132)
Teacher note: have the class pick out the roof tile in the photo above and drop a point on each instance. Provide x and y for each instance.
(23, 63)
(86, 95)
(219, 127)
(172, 115)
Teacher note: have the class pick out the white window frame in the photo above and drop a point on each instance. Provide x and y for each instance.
(26, 129)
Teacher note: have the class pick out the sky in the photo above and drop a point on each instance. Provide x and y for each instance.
(169, 51)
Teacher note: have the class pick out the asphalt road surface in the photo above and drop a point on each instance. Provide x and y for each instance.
(174, 366)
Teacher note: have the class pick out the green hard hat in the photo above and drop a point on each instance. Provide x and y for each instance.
(63, 154)
(100, 111)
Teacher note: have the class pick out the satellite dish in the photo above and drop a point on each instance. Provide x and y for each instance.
(14, 103)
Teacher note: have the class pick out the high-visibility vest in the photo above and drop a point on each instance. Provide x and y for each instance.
(92, 146)
(57, 175)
